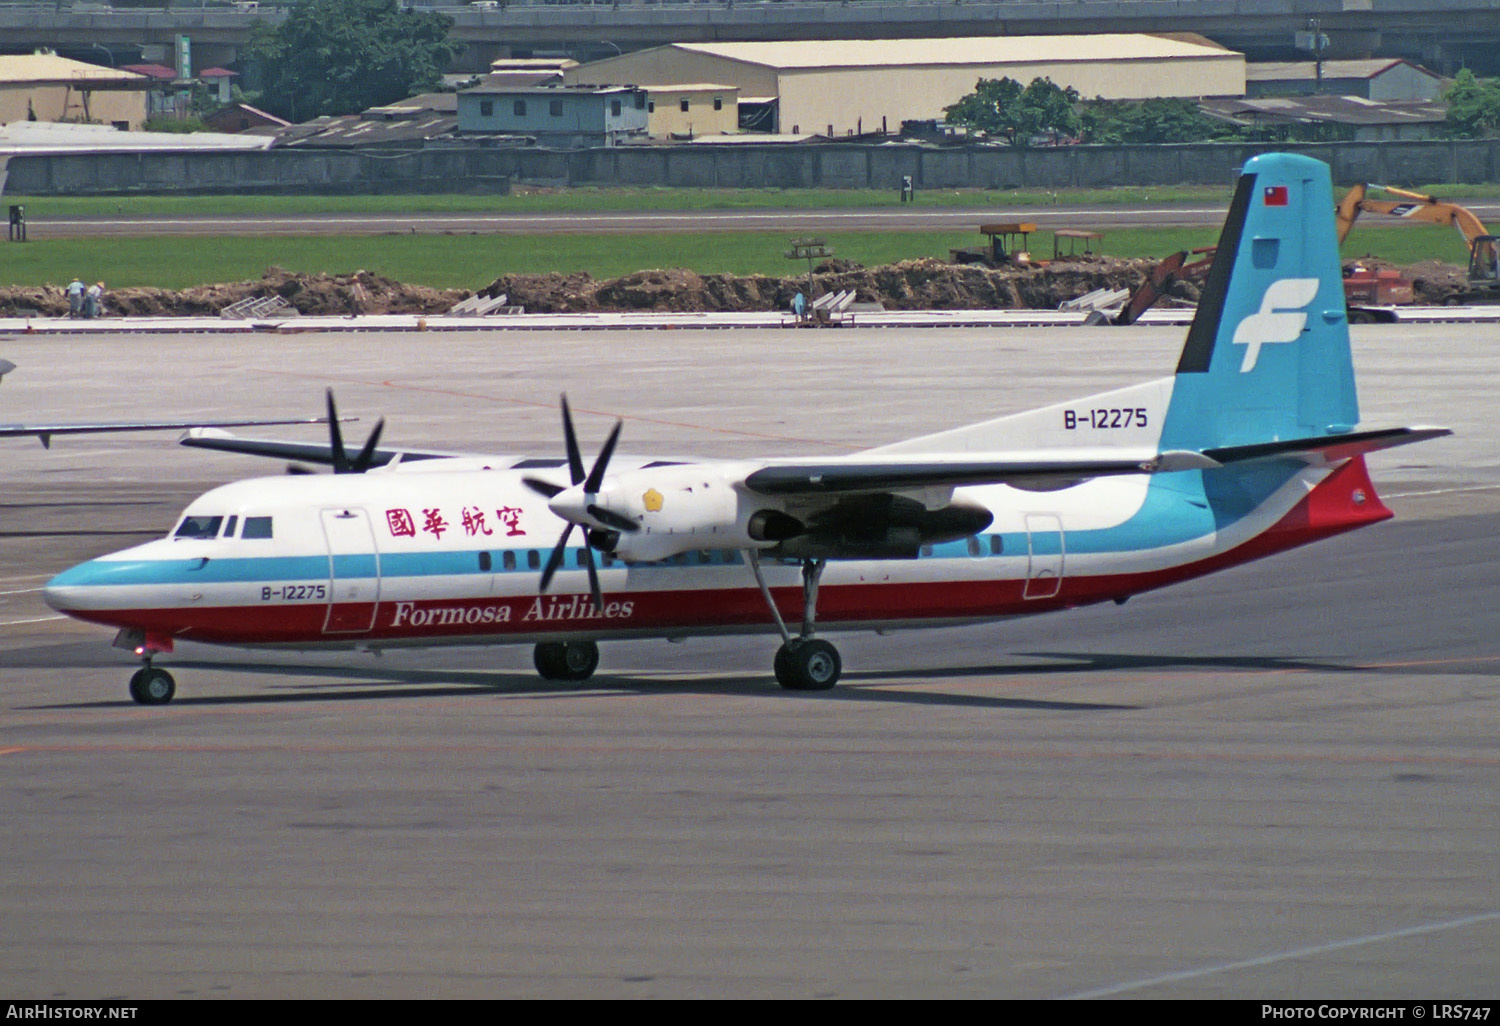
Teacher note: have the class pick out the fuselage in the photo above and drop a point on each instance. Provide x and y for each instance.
(451, 552)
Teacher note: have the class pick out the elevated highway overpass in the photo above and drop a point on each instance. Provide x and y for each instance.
(1444, 34)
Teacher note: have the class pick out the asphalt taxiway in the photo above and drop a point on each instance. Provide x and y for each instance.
(1275, 782)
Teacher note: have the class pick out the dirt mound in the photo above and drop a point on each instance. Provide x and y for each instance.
(307, 293)
(910, 285)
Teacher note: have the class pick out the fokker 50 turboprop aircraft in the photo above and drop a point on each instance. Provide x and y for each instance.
(1251, 448)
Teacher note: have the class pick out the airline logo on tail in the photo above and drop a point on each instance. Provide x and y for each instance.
(1281, 318)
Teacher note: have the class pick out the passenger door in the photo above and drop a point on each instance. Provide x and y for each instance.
(353, 571)
(1044, 551)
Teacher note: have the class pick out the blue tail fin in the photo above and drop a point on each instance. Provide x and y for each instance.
(1267, 356)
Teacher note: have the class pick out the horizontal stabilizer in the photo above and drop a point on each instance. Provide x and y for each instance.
(1327, 448)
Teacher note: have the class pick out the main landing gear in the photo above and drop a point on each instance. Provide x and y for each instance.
(803, 663)
(566, 660)
(152, 686)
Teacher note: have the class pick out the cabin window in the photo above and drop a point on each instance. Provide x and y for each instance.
(508, 560)
(996, 545)
(256, 527)
(229, 527)
(533, 560)
(926, 550)
(973, 546)
(484, 561)
(199, 527)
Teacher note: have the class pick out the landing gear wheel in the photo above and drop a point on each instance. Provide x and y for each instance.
(150, 686)
(810, 665)
(566, 660)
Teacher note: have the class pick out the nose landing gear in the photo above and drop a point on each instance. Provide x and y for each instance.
(152, 686)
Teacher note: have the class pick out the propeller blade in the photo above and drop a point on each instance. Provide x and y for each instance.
(367, 454)
(588, 556)
(618, 521)
(546, 489)
(336, 438)
(297, 468)
(596, 475)
(555, 560)
(575, 457)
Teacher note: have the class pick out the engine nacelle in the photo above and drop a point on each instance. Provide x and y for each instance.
(680, 509)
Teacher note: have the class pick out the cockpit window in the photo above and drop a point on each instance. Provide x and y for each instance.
(199, 527)
(257, 527)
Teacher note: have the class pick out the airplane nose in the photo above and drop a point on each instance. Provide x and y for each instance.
(80, 587)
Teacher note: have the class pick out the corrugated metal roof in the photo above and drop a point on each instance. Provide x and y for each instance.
(1343, 110)
(1298, 71)
(848, 53)
(48, 67)
(691, 87)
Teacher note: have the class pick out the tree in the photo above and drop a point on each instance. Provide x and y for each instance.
(1473, 107)
(1163, 120)
(1001, 107)
(341, 56)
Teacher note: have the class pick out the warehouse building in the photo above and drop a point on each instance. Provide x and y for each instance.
(1380, 79)
(45, 87)
(555, 115)
(847, 87)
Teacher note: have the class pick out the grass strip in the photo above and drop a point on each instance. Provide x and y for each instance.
(473, 261)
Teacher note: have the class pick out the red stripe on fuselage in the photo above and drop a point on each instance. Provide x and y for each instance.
(1340, 502)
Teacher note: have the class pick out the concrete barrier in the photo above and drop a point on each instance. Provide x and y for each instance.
(491, 169)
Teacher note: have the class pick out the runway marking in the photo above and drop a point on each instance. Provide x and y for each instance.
(20, 591)
(40, 619)
(1283, 956)
(1443, 491)
(11, 751)
(583, 221)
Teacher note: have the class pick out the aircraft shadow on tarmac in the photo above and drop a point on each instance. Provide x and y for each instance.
(374, 684)
(368, 684)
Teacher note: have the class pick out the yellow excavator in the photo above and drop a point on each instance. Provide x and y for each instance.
(1484, 248)
(1362, 289)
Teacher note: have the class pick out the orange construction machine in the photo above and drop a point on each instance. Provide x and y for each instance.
(1364, 288)
(1484, 248)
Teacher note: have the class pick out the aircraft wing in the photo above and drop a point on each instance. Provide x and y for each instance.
(865, 474)
(46, 431)
(304, 452)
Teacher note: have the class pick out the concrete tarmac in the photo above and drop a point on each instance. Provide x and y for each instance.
(1277, 782)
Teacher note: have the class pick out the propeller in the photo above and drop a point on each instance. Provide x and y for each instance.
(342, 464)
(591, 482)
